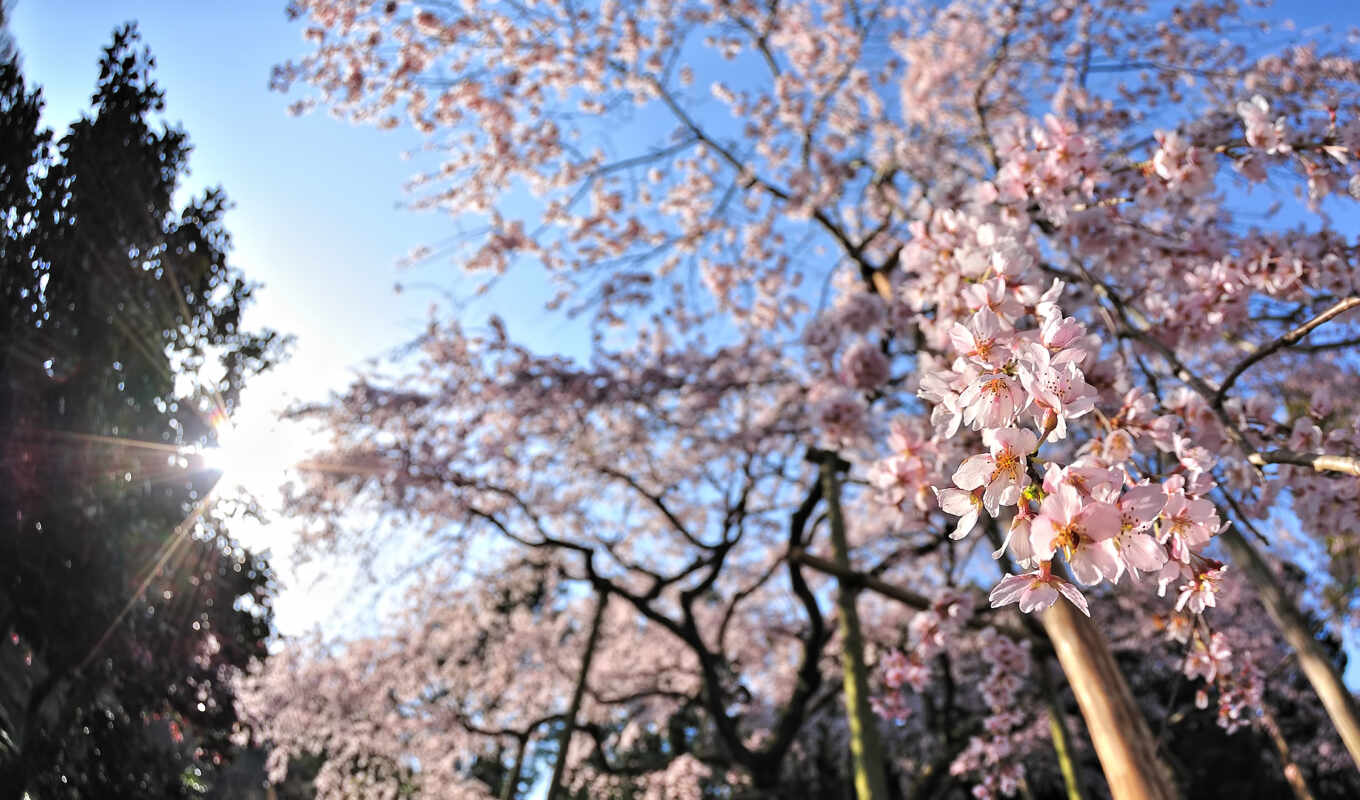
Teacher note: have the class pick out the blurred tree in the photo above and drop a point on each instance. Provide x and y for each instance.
(124, 604)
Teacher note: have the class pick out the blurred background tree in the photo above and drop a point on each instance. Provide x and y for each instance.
(125, 606)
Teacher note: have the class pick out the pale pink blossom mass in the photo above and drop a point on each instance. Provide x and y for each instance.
(996, 277)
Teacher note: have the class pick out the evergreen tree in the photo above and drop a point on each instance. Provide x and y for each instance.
(124, 603)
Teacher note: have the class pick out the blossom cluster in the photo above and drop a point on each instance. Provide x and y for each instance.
(995, 757)
(929, 633)
(1017, 380)
(1235, 672)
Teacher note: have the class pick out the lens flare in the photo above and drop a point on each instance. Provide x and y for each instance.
(247, 456)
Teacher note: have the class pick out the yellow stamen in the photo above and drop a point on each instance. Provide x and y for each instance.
(1007, 462)
(1066, 540)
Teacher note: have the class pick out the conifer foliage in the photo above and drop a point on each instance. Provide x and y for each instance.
(125, 606)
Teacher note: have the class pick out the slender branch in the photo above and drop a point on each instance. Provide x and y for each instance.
(510, 786)
(853, 250)
(569, 724)
(656, 500)
(687, 632)
(741, 595)
(760, 38)
(809, 673)
(1241, 516)
(1293, 774)
(1322, 347)
(1321, 462)
(980, 91)
(850, 577)
(1287, 340)
(901, 594)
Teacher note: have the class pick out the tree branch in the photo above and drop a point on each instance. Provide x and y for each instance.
(1321, 462)
(1291, 338)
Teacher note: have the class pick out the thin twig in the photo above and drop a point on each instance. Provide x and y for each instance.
(1291, 338)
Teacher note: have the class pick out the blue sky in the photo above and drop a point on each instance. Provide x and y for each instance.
(317, 217)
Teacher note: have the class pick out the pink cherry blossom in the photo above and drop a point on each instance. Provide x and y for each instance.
(1199, 592)
(995, 296)
(1208, 662)
(1139, 507)
(983, 340)
(1261, 131)
(1036, 591)
(992, 401)
(1082, 531)
(1002, 471)
(947, 413)
(1188, 524)
(1060, 393)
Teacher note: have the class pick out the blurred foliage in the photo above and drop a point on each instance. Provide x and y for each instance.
(124, 604)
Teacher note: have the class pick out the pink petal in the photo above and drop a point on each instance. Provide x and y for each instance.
(1041, 536)
(1093, 562)
(1037, 597)
(966, 524)
(974, 471)
(1142, 552)
(1100, 521)
(955, 501)
(1009, 589)
(1073, 596)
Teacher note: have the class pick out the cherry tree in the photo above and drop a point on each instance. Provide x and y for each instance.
(875, 291)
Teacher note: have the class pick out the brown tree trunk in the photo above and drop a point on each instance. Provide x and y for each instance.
(1321, 673)
(1122, 740)
(866, 752)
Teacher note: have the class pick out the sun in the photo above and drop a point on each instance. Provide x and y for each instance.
(248, 455)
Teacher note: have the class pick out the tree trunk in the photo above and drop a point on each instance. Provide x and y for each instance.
(865, 750)
(569, 723)
(511, 786)
(1057, 728)
(1320, 671)
(1122, 740)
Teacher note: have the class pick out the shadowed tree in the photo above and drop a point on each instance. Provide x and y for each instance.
(124, 604)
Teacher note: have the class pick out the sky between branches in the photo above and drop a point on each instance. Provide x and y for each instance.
(317, 217)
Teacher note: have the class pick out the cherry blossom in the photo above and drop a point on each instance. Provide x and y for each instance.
(1036, 590)
(998, 257)
(1082, 531)
(1001, 473)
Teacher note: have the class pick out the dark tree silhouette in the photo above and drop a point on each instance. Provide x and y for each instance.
(124, 604)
